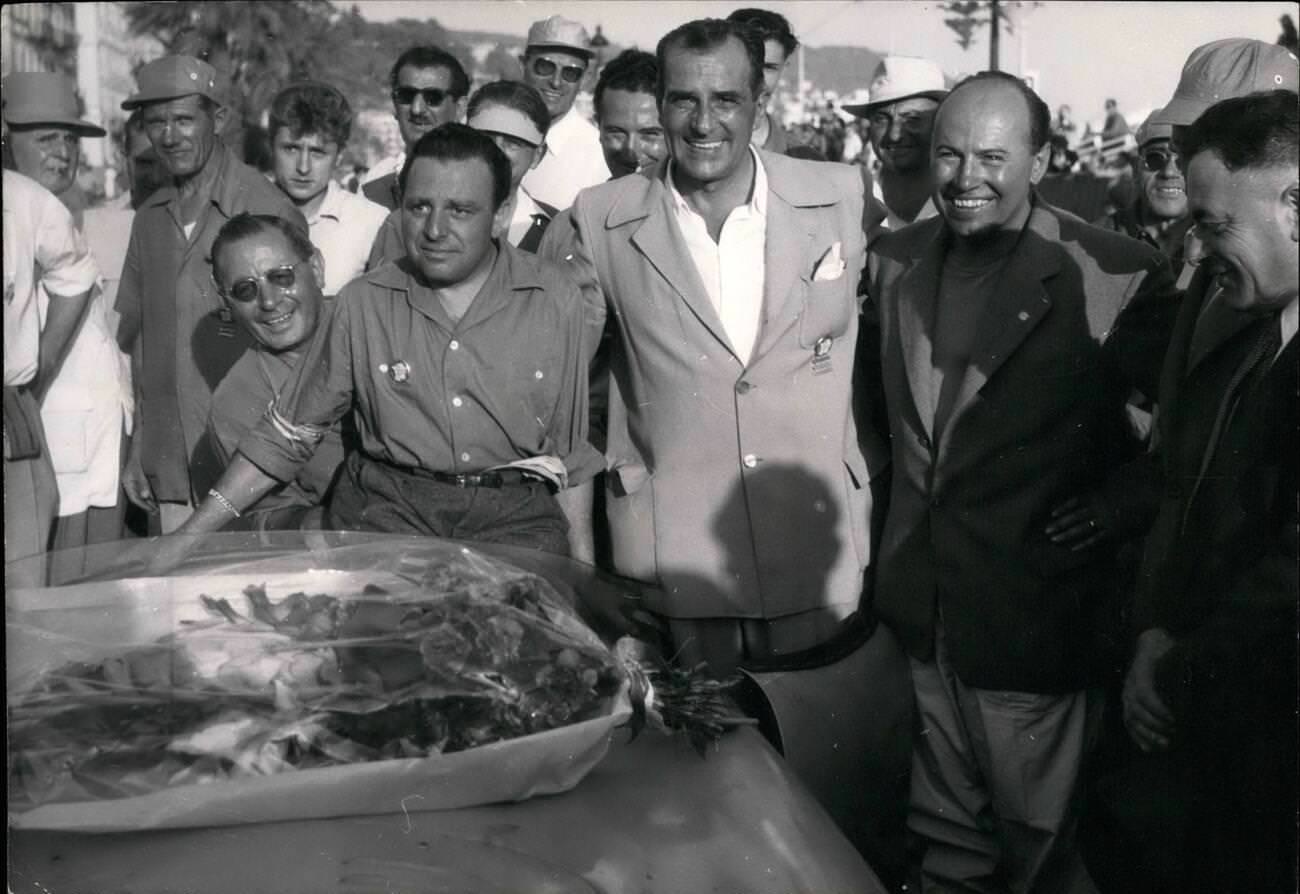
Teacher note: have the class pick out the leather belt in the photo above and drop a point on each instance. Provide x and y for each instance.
(502, 478)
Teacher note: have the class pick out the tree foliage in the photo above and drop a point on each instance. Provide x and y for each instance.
(1288, 38)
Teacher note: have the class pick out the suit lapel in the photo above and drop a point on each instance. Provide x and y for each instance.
(789, 242)
(659, 239)
(918, 293)
(1018, 302)
(1216, 324)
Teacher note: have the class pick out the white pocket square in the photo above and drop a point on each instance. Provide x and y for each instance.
(831, 265)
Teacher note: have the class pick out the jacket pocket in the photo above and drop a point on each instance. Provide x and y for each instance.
(828, 309)
(630, 509)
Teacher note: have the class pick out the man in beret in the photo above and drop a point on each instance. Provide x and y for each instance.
(181, 336)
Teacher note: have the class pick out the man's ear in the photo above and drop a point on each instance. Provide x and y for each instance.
(1291, 201)
(1042, 158)
(460, 109)
(220, 118)
(501, 218)
(318, 267)
(538, 154)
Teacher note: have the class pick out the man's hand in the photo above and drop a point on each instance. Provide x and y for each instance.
(1149, 722)
(1079, 522)
(134, 482)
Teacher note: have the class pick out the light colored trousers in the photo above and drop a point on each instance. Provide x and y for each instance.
(995, 784)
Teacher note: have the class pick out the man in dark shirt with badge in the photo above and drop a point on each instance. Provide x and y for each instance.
(465, 370)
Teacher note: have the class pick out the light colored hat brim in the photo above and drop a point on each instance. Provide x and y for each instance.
(862, 110)
(564, 48)
(1180, 112)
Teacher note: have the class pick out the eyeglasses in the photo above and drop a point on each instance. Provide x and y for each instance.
(249, 288)
(433, 96)
(544, 68)
(1154, 160)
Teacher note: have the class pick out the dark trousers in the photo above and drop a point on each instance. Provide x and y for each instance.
(375, 496)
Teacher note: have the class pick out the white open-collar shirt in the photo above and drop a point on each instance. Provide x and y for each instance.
(733, 268)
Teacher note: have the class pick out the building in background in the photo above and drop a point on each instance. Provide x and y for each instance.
(94, 44)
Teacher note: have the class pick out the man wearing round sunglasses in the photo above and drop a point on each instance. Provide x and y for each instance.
(1158, 213)
(428, 87)
(269, 275)
(555, 62)
(462, 366)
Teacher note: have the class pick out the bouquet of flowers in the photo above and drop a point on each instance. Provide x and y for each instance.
(450, 652)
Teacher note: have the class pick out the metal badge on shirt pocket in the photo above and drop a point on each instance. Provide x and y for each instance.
(399, 371)
(821, 360)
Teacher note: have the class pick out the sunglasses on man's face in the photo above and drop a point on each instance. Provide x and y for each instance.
(544, 68)
(433, 96)
(249, 288)
(1154, 160)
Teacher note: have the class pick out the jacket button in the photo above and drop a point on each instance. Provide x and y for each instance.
(924, 441)
(750, 460)
(935, 502)
(743, 387)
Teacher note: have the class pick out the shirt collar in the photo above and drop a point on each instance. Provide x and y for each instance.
(512, 270)
(332, 205)
(525, 207)
(756, 206)
(224, 188)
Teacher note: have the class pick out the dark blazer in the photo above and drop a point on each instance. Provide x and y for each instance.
(1220, 575)
(1040, 417)
(1219, 570)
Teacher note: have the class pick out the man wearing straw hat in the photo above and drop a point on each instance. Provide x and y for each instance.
(904, 94)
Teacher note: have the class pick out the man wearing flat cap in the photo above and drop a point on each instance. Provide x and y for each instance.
(181, 337)
(555, 62)
(82, 411)
(904, 94)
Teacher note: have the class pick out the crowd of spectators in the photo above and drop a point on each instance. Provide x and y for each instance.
(1023, 436)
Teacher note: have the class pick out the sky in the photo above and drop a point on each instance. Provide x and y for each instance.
(1081, 52)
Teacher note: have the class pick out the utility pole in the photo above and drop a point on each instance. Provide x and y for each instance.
(995, 28)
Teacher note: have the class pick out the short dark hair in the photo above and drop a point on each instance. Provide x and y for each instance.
(635, 71)
(1261, 130)
(708, 34)
(311, 107)
(459, 142)
(432, 57)
(244, 226)
(513, 95)
(1040, 116)
(769, 25)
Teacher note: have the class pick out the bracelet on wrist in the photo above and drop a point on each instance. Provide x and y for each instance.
(225, 504)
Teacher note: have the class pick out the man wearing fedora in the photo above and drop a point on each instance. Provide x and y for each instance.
(181, 337)
(555, 62)
(904, 94)
(83, 410)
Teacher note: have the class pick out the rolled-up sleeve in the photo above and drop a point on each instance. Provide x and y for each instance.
(318, 394)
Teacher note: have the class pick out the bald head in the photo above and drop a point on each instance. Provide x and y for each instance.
(986, 158)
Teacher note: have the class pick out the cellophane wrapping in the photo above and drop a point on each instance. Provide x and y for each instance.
(372, 677)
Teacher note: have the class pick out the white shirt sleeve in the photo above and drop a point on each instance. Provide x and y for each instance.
(64, 261)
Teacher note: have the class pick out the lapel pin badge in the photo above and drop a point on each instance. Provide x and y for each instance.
(821, 361)
(399, 371)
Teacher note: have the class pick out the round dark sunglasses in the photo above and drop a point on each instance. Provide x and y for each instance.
(544, 68)
(249, 288)
(1156, 159)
